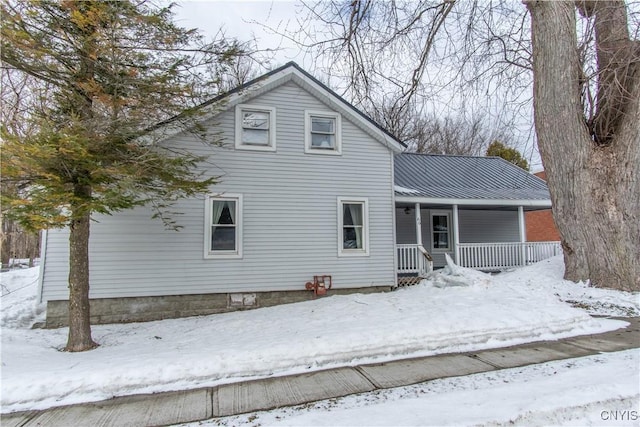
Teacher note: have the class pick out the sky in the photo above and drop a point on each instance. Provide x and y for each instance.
(245, 20)
(263, 20)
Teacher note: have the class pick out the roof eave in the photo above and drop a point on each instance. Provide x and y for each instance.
(535, 203)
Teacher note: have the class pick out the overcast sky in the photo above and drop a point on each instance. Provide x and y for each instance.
(245, 20)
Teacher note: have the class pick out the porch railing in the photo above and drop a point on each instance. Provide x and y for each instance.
(500, 256)
(413, 259)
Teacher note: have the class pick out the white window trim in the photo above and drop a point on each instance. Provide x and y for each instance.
(236, 254)
(449, 231)
(272, 127)
(365, 236)
(308, 114)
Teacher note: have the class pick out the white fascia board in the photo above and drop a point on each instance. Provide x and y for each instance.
(544, 203)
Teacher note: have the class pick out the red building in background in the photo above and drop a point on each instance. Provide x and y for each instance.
(540, 225)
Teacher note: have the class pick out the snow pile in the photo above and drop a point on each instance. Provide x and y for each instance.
(567, 392)
(454, 275)
(18, 307)
(546, 276)
(335, 331)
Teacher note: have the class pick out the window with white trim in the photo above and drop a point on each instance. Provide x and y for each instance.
(441, 230)
(223, 226)
(353, 226)
(323, 132)
(255, 127)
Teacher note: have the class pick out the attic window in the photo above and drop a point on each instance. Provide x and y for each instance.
(323, 132)
(255, 128)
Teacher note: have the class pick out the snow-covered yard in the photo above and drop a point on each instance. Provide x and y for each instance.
(491, 311)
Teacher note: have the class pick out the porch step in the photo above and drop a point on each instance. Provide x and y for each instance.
(408, 281)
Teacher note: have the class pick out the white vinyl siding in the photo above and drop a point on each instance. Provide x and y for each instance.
(255, 127)
(289, 223)
(488, 226)
(323, 132)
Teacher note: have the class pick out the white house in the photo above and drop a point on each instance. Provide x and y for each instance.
(306, 201)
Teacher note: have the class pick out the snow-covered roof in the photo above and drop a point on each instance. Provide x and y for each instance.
(466, 180)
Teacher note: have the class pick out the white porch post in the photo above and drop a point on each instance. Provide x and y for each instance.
(420, 260)
(418, 225)
(456, 235)
(523, 236)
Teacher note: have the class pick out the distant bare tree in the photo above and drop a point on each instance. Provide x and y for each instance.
(437, 134)
(21, 102)
(17, 243)
(453, 135)
(242, 69)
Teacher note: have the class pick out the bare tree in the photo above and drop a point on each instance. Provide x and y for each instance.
(590, 145)
(454, 135)
(241, 69)
(356, 41)
(425, 132)
(21, 102)
(585, 96)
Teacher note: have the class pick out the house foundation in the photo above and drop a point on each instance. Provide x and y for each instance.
(145, 309)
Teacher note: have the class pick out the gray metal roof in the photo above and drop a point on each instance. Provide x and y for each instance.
(465, 177)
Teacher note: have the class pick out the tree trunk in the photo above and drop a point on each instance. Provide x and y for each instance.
(79, 313)
(5, 244)
(594, 188)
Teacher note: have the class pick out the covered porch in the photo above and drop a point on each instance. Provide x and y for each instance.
(488, 238)
(470, 208)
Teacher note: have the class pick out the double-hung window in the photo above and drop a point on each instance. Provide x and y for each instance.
(255, 127)
(441, 230)
(223, 227)
(323, 132)
(353, 226)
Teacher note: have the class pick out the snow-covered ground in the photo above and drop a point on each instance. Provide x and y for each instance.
(489, 311)
(600, 390)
